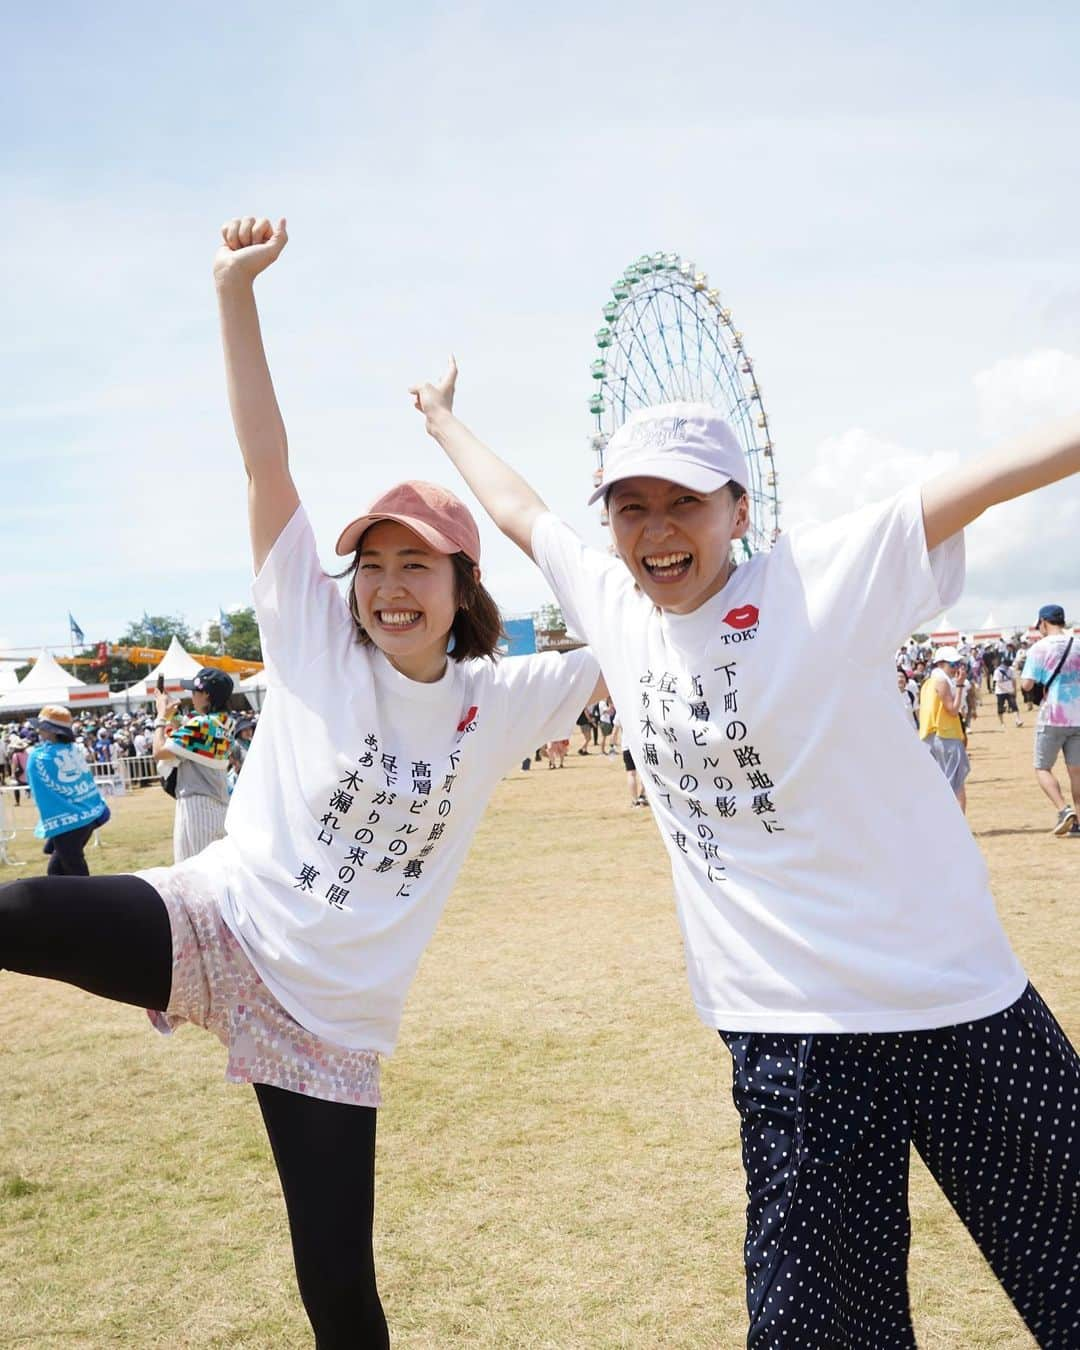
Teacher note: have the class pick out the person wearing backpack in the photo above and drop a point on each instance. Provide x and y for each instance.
(1051, 679)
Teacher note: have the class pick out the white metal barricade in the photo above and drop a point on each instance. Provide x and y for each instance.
(7, 825)
(9, 828)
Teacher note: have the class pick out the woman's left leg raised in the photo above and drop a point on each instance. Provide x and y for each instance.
(108, 935)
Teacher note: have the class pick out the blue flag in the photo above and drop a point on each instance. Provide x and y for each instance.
(224, 624)
(76, 631)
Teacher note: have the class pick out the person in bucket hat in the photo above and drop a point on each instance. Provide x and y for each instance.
(70, 805)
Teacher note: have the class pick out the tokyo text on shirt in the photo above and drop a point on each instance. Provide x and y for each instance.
(360, 795)
(1061, 706)
(825, 878)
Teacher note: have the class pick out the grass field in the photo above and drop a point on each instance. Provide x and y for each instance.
(558, 1154)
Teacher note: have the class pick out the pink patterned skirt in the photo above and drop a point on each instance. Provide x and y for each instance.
(214, 985)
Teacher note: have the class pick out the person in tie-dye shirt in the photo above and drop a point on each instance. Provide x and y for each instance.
(1058, 727)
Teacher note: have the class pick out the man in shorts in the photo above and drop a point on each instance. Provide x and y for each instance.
(1058, 727)
(1004, 687)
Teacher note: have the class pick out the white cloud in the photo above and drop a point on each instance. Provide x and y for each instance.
(1020, 554)
(1029, 544)
(1019, 392)
(855, 468)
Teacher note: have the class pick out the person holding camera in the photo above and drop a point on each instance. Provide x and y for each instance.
(1051, 679)
(193, 755)
(941, 701)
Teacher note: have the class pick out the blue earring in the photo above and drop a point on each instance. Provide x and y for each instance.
(451, 644)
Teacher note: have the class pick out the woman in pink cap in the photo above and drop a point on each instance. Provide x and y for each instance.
(387, 725)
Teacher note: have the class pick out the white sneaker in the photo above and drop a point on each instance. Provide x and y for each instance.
(1065, 821)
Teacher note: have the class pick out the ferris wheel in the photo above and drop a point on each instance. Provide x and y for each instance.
(667, 337)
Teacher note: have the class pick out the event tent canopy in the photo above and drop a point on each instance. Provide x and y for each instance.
(177, 664)
(48, 682)
(254, 689)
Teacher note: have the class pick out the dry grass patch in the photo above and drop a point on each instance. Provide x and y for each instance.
(558, 1153)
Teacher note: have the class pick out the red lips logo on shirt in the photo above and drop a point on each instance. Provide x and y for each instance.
(743, 617)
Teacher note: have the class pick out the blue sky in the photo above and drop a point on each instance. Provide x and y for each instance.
(885, 200)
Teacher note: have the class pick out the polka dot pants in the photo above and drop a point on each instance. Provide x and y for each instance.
(827, 1122)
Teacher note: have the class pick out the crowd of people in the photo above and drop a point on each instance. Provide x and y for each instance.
(114, 746)
(940, 690)
(996, 666)
(68, 763)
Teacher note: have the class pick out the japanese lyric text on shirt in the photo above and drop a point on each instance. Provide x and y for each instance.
(801, 816)
(360, 795)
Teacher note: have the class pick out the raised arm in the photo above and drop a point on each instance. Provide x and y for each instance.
(951, 695)
(504, 494)
(249, 247)
(955, 499)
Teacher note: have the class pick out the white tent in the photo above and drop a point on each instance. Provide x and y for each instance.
(254, 689)
(49, 682)
(177, 664)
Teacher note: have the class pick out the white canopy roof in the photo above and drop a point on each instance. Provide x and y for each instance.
(177, 664)
(254, 689)
(48, 682)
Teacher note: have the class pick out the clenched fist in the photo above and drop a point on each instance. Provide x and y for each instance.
(250, 246)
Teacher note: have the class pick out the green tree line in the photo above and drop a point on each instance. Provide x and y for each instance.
(158, 630)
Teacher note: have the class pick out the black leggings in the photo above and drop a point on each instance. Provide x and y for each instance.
(67, 852)
(111, 936)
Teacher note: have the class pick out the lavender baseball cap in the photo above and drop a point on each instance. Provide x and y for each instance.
(686, 443)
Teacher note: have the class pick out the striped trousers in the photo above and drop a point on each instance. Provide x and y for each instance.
(198, 822)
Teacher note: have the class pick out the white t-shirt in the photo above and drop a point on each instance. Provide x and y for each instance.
(825, 878)
(360, 795)
(1003, 681)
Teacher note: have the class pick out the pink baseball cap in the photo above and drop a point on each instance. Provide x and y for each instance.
(686, 443)
(430, 511)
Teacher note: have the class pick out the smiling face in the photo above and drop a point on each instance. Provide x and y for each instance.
(676, 542)
(406, 599)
